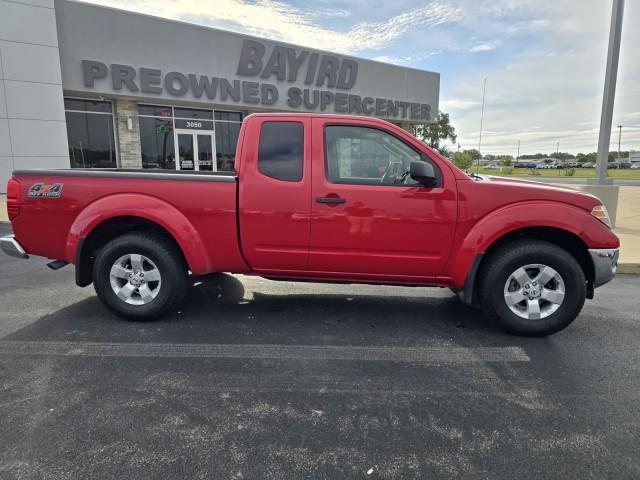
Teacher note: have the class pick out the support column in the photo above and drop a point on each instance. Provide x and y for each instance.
(608, 97)
(128, 139)
(602, 186)
(33, 129)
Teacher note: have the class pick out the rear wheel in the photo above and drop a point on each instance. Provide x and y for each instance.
(532, 287)
(140, 276)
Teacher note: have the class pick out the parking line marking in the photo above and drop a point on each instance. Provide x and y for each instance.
(441, 354)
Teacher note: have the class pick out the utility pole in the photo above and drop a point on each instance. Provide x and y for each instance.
(484, 89)
(619, 140)
(608, 97)
(518, 155)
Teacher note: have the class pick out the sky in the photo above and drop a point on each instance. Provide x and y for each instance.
(544, 60)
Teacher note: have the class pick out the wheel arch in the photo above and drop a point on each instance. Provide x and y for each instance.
(565, 239)
(111, 216)
(108, 229)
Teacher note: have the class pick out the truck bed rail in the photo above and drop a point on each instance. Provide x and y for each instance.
(134, 173)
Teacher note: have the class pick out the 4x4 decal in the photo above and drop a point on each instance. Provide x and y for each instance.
(48, 191)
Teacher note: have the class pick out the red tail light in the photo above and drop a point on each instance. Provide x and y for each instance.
(13, 198)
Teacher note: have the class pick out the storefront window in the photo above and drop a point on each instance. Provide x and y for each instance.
(194, 129)
(90, 133)
(226, 139)
(192, 113)
(227, 132)
(156, 142)
(229, 116)
(155, 111)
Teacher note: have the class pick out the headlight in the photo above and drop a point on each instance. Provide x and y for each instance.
(600, 212)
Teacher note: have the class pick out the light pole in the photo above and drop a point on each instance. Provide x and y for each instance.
(619, 140)
(484, 89)
(608, 97)
(518, 155)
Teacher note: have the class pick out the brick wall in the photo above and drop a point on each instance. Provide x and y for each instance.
(128, 140)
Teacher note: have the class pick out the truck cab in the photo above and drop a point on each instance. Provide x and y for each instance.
(329, 197)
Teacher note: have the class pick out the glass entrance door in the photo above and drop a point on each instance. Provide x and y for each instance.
(195, 150)
(186, 151)
(205, 151)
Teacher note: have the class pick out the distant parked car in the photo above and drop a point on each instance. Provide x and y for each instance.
(572, 164)
(492, 166)
(532, 165)
(635, 166)
(613, 165)
(588, 165)
(552, 165)
(520, 165)
(624, 164)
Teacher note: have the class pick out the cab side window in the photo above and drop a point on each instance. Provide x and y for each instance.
(281, 150)
(364, 155)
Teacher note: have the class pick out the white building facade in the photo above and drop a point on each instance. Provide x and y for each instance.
(84, 86)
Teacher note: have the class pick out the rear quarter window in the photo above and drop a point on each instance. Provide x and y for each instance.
(281, 149)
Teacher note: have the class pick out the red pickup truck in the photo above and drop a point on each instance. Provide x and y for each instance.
(323, 198)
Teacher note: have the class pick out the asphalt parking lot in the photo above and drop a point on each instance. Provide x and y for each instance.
(257, 379)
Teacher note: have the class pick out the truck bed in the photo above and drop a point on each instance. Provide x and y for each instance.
(197, 208)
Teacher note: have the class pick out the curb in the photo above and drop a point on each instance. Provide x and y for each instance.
(629, 268)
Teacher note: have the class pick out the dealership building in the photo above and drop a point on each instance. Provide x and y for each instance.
(85, 86)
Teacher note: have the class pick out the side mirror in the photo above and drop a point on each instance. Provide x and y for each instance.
(423, 173)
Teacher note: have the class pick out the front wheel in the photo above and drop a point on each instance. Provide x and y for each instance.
(532, 287)
(140, 276)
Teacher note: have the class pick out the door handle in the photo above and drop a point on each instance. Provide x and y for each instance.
(331, 200)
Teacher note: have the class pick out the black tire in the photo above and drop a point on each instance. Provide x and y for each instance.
(504, 261)
(167, 259)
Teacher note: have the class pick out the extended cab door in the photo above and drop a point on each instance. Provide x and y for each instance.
(275, 192)
(369, 218)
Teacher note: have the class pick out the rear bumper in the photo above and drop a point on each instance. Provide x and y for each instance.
(10, 246)
(605, 264)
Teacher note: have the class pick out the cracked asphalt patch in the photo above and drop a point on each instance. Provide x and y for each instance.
(262, 379)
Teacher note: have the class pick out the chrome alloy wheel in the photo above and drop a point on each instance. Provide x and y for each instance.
(135, 279)
(534, 291)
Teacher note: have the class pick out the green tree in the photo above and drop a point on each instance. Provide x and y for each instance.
(505, 160)
(434, 134)
(462, 160)
(563, 156)
(474, 153)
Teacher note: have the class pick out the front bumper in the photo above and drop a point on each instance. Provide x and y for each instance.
(605, 264)
(10, 246)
